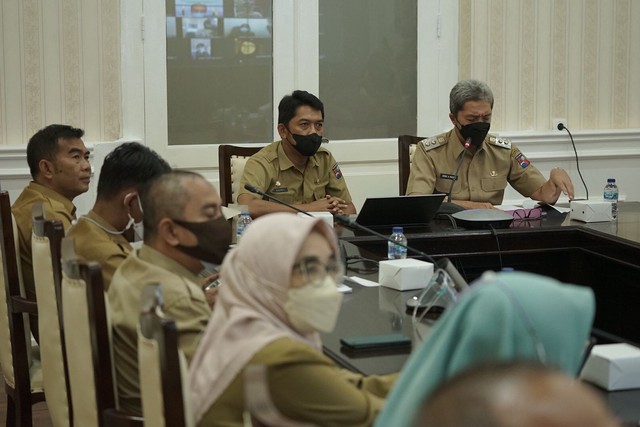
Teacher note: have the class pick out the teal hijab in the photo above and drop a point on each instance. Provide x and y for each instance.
(503, 316)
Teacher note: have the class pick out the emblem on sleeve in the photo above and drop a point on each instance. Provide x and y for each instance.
(521, 159)
(336, 171)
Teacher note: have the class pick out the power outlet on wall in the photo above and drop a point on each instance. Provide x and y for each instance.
(557, 122)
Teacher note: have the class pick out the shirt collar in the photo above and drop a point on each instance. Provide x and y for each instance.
(285, 163)
(52, 194)
(149, 254)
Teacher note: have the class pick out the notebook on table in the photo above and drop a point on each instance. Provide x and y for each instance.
(404, 211)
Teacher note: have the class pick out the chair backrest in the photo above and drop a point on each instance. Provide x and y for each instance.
(45, 245)
(406, 148)
(86, 338)
(165, 399)
(231, 160)
(15, 342)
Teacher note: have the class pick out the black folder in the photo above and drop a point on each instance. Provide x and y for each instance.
(402, 211)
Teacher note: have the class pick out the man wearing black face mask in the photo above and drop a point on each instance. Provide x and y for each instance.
(296, 169)
(487, 163)
(183, 226)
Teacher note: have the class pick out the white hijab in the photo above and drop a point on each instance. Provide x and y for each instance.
(249, 313)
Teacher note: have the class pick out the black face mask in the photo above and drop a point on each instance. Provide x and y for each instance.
(214, 238)
(476, 132)
(307, 145)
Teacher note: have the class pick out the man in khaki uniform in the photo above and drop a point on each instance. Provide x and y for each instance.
(59, 165)
(183, 225)
(478, 165)
(296, 169)
(103, 235)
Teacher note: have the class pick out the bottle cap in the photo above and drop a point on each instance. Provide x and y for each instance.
(611, 180)
(397, 230)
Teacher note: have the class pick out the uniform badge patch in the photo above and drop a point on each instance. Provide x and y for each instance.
(522, 160)
(448, 176)
(336, 171)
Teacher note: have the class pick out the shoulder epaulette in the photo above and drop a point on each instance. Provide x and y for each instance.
(500, 142)
(433, 142)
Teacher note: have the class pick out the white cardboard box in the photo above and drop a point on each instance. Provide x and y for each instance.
(590, 210)
(405, 274)
(325, 216)
(613, 366)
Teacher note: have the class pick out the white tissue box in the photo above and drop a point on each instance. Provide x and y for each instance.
(590, 211)
(325, 216)
(613, 366)
(405, 274)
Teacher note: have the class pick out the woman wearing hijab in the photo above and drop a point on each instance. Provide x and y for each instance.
(278, 292)
(502, 317)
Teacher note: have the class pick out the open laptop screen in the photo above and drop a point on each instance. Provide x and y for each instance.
(399, 210)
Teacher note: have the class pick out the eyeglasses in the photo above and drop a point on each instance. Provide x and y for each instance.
(315, 272)
(534, 213)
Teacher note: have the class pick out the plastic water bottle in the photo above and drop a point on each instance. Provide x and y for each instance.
(611, 195)
(241, 226)
(395, 251)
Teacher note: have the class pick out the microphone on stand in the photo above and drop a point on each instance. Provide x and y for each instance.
(467, 143)
(259, 192)
(443, 263)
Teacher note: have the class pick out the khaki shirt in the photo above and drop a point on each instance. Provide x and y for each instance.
(55, 206)
(184, 302)
(93, 243)
(271, 171)
(305, 386)
(482, 177)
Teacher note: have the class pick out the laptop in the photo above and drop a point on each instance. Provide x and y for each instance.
(405, 211)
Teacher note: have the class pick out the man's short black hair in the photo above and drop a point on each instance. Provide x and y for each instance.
(44, 144)
(290, 103)
(129, 165)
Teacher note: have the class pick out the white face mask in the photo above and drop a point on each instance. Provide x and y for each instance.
(138, 227)
(314, 308)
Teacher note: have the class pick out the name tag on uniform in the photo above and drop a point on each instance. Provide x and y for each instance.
(448, 176)
(280, 190)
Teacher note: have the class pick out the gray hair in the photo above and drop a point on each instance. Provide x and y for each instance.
(468, 90)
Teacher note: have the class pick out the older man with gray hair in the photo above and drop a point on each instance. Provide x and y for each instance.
(474, 166)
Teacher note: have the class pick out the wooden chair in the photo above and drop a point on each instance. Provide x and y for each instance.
(88, 344)
(165, 400)
(406, 148)
(231, 160)
(22, 373)
(45, 247)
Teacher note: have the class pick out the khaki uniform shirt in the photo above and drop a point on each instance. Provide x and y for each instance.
(306, 386)
(55, 206)
(482, 177)
(271, 171)
(93, 243)
(184, 302)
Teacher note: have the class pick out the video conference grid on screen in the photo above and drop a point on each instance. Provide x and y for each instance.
(210, 31)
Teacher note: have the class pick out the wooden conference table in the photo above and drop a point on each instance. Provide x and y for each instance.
(604, 256)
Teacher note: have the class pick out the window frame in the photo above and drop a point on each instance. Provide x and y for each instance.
(295, 65)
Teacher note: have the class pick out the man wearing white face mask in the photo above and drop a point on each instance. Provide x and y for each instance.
(105, 233)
